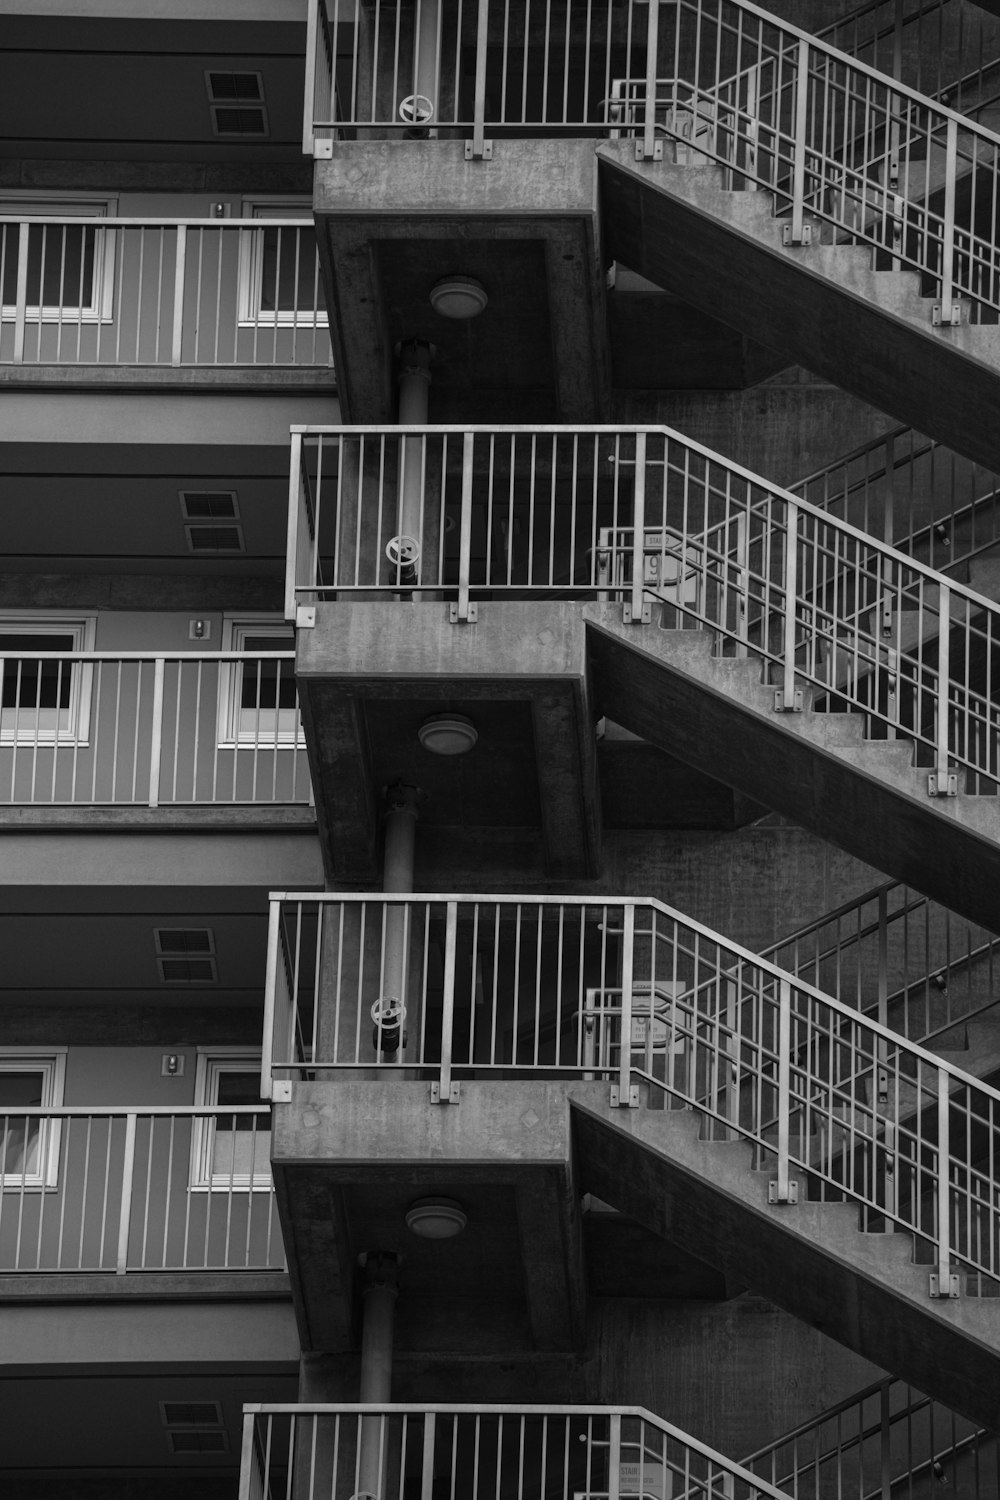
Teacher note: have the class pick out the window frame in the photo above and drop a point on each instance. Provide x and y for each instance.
(100, 307)
(262, 734)
(250, 314)
(212, 1064)
(51, 1063)
(76, 731)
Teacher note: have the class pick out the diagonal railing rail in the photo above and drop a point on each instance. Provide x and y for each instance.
(896, 955)
(635, 514)
(483, 1452)
(923, 498)
(888, 1438)
(836, 141)
(450, 987)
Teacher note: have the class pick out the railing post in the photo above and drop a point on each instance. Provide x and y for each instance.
(636, 611)
(427, 1468)
(292, 538)
(270, 993)
(125, 1213)
(885, 1443)
(312, 64)
(176, 346)
(463, 611)
(21, 296)
(649, 148)
(948, 312)
(444, 1091)
(247, 1455)
(943, 782)
(156, 732)
(798, 232)
(479, 148)
(788, 698)
(615, 1456)
(782, 1189)
(625, 1093)
(943, 1283)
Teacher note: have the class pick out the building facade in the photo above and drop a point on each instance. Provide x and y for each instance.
(498, 748)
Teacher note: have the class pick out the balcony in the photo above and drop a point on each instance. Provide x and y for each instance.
(130, 737)
(185, 301)
(114, 1201)
(482, 1452)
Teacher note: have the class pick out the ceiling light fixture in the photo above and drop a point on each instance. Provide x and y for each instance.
(459, 297)
(447, 734)
(436, 1218)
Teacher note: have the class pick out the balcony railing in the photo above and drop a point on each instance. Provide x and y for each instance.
(894, 954)
(161, 292)
(928, 501)
(453, 987)
(123, 1190)
(837, 143)
(132, 730)
(886, 1439)
(646, 514)
(482, 1453)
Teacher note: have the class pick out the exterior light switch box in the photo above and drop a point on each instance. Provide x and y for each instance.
(172, 1065)
(200, 630)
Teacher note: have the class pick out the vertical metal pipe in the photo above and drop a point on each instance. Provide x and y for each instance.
(381, 1287)
(414, 400)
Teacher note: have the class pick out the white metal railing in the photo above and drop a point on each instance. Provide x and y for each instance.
(898, 956)
(122, 1190)
(467, 986)
(482, 1452)
(923, 498)
(640, 514)
(837, 142)
(888, 1438)
(161, 292)
(133, 729)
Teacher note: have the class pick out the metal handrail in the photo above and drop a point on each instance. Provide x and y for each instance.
(151, 729)
(867, 627)
(126, 1189)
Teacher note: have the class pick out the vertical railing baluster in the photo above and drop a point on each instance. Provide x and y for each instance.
(942, 784)
(646, 148)
(21, 295)
(948, 311)
(125, 1202)
(624, 1089)
(156, 733)
(477, 147)
(787, 700)
(462, 609)
(176, 345)
(779, 1191)
(946, 1284)
(634, 609)
(794, 233)
(448, 1002)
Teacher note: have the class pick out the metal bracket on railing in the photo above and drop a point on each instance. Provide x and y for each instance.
(791, 236)
(785, 705)
(281, 1091)
(305, 616)
(942, 785)
(640, 617)
(459, 616)
(950, 317)
(776, 1195)
(481, 151)
(944, 1286)
(451, 1095)
(625, 1098)
(654, 153)
(323, 149)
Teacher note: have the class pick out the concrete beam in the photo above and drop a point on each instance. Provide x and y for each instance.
(273, 860)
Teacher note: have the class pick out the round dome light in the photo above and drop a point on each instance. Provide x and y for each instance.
(458, 297)
(436, 1218)
(447, 734)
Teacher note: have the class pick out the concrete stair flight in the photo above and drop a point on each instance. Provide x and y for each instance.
(867, 796)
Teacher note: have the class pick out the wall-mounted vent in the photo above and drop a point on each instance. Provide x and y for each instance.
(191, 1413)
(203, 538)
(195, 1441)
(209, 505)
(236, 103)
(185, 955)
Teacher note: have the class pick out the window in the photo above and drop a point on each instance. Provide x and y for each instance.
(258, 702)
(279, 269)
(231, 1151)
(44, 701)
(29, 1143)
(67, 268)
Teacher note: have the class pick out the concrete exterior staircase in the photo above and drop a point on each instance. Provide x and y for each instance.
(824, 306)
(865, 1290)
(867, 796)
